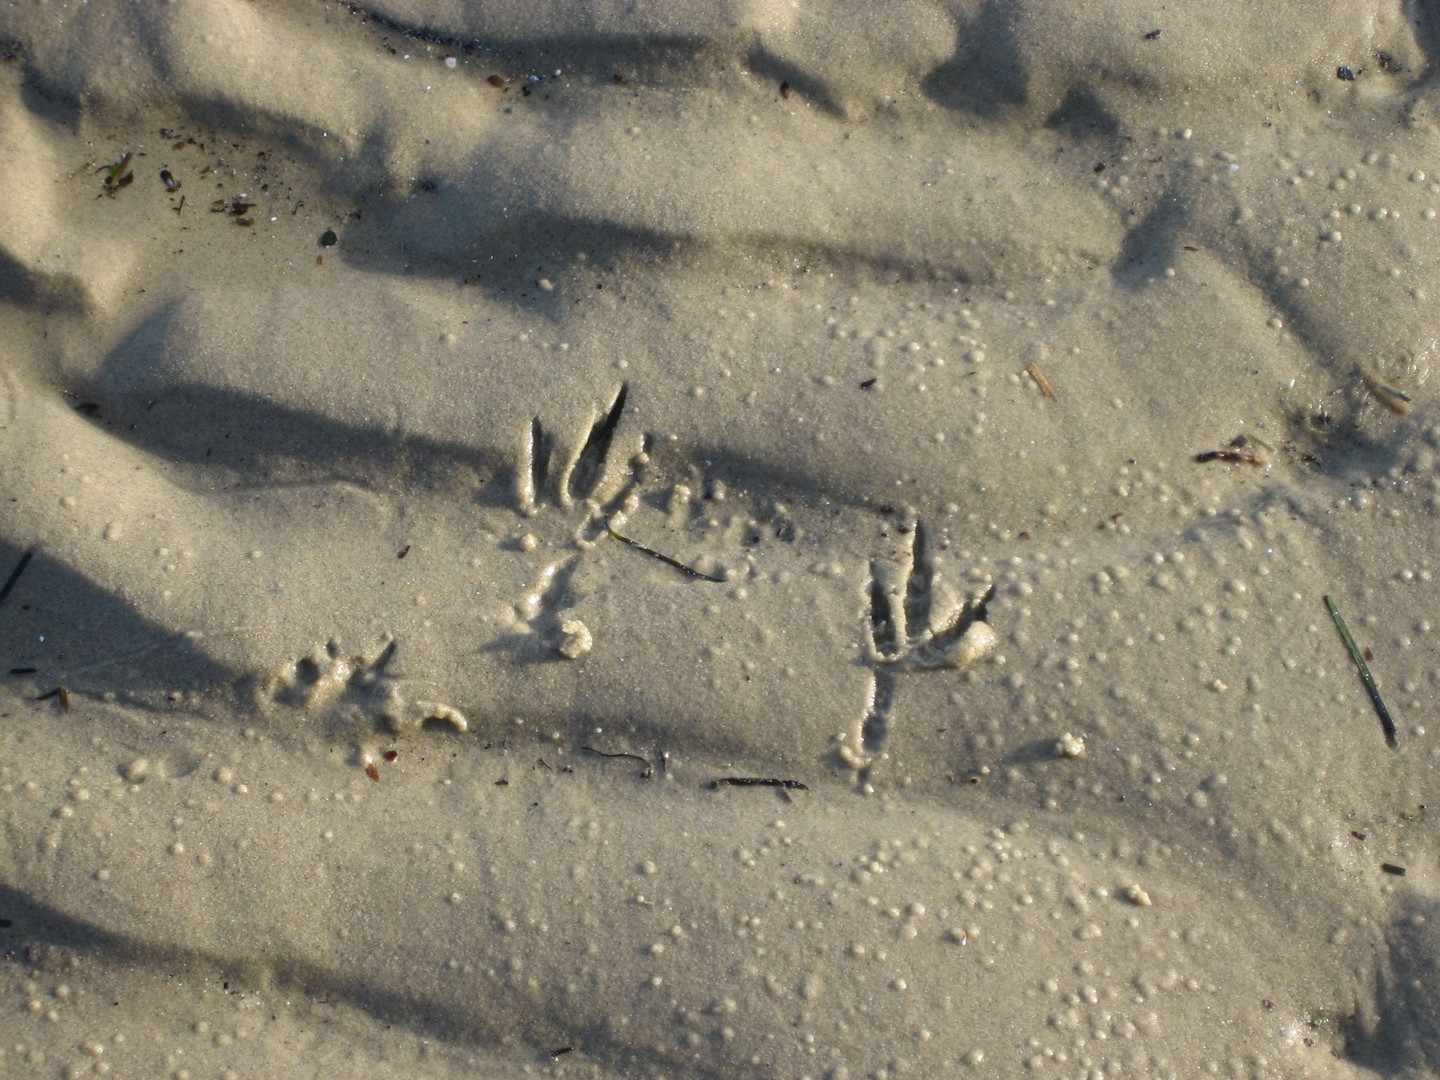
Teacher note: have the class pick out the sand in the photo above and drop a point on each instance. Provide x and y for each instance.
(452, 440)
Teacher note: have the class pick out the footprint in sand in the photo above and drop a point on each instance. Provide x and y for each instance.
(916, 623)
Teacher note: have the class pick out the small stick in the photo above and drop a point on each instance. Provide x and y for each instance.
(757, 781)
(649, 769)
(15, 574)
(1386, 722)
(1230, 455)
(1392, 397)
(1391, 868)
(59, 692)
(1042, 382)
(663, 558)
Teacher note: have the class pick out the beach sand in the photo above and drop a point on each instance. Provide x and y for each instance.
(451, 441)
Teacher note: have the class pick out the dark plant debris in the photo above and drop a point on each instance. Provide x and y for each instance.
(117, 176)
(1387, 722)
(649, 769)
(20, 566)
(236, 208)
(1234, 456)
(60, 694)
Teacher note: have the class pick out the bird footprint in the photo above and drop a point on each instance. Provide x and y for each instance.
(327, 679)
(591, 472)
(916, 622)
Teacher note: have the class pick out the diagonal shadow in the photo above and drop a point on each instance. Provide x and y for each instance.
(48, 624)
(1401, 1039)
(1151, 244)
(26, 924)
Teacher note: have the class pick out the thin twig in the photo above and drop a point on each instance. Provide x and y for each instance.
(1386, 722)
(649, 769)
(15, 574)
(1042, 382)
(1234, 456)
(59, 692)
(1392, 397)
(664, 558)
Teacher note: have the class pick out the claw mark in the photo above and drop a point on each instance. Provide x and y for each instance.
(916, 623)
(587, 474)
(383, 660)
(588, 469)
(534, 464)
(885, 634)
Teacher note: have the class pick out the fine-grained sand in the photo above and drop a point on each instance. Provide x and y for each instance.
(452, 440)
